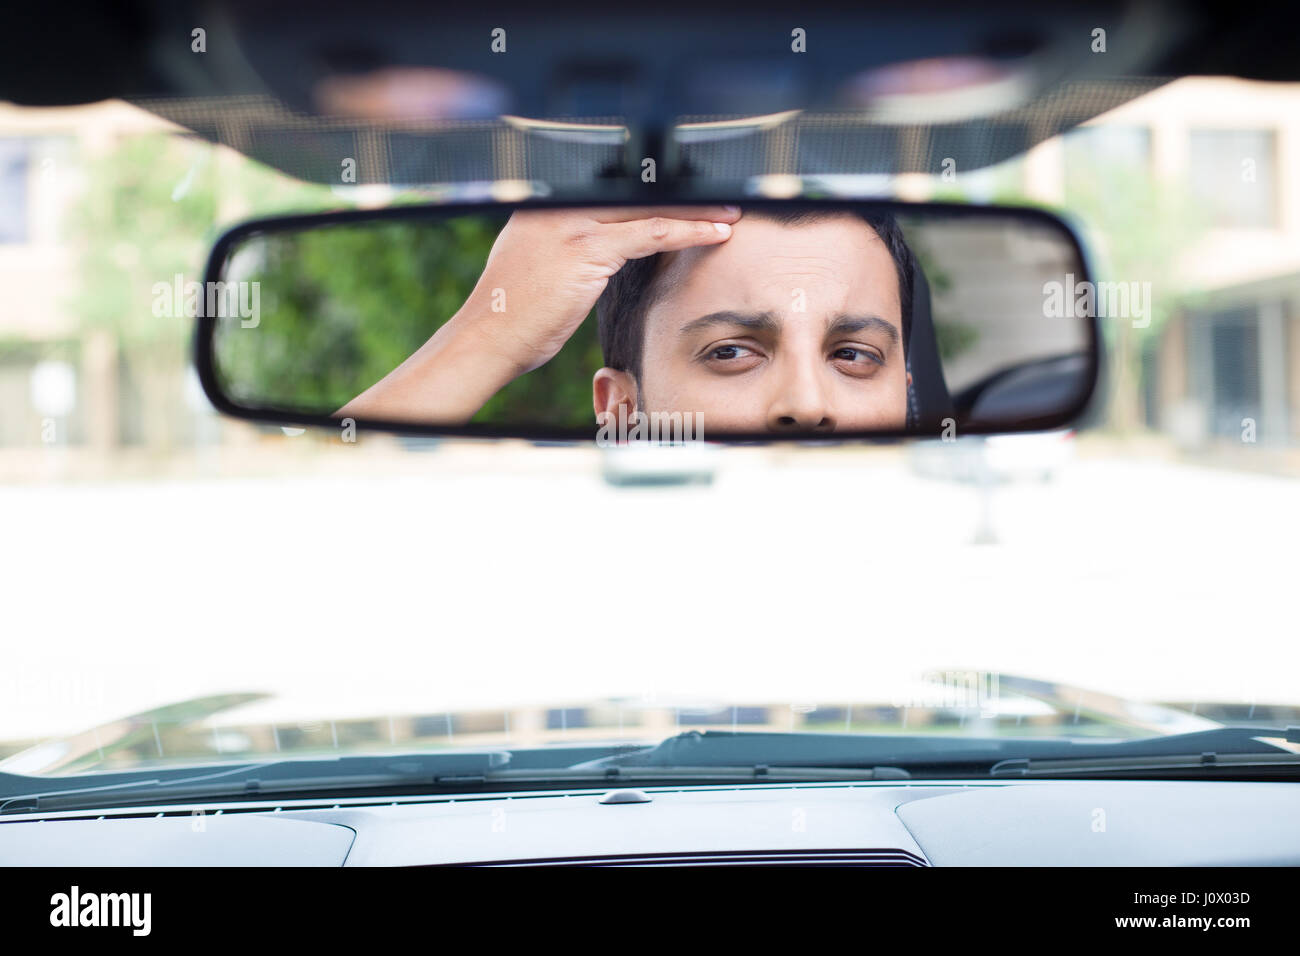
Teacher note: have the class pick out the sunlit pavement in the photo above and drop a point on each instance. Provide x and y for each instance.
(444, 587)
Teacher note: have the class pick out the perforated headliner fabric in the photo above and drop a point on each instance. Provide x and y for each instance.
(422, 153)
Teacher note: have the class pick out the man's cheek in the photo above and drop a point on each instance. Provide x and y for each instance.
(725, 406)
(882, 405)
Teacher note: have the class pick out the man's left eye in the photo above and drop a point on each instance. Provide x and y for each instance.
(847, 354)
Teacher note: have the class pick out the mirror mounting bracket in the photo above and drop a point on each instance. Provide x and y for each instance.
(652, 157)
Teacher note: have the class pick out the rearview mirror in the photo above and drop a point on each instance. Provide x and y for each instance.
(775, 320)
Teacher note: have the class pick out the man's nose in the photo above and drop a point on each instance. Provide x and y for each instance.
(800, 403)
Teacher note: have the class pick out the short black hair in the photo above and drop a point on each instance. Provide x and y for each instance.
(622, 307)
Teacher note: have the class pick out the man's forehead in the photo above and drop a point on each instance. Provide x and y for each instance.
(835, 235)
(763, 253)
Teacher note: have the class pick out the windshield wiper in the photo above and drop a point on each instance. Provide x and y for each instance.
(401, 774)
(937, 754)
(24, 794)
(747, 773)
(1205, 763)
(351, 776)
(690, 758)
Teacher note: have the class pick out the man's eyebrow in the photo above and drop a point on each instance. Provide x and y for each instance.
(755, 322)
(845, 324)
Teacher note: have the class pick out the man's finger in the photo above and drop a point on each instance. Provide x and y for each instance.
(645, 237)
(630, 213)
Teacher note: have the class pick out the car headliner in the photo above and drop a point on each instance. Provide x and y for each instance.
(649, 70)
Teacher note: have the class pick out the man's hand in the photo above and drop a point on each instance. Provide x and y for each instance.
(551, 267)
(544, 274)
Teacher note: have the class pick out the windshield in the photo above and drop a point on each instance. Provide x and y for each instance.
(186, 589)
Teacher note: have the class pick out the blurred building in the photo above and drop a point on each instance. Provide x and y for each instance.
(1225, 367)
(63, 383)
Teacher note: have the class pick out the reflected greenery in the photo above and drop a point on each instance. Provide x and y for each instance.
(359, 300)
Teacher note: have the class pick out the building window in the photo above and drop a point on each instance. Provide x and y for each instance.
(566, 718)
(1095, 155)
(15, 162)
(1229, 376)
(725, 716)
(1234, 175)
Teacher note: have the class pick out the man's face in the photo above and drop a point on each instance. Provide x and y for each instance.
(782, 327)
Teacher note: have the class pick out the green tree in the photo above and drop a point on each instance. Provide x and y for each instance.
(151, 209)
(343, 305)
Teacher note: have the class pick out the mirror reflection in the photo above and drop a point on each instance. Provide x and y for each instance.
(673, 323)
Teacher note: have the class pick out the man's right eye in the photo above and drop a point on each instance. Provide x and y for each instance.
(730, 357)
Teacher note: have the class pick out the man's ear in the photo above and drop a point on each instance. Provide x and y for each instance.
(909, 379)
(610, 389)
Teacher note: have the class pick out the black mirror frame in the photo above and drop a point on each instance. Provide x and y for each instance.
(206, 325)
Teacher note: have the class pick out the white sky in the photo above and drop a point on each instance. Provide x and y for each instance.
(829, 577)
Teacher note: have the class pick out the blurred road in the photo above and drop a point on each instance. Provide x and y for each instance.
(830, 577)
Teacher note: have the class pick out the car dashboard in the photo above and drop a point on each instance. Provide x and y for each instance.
(1018, 823)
